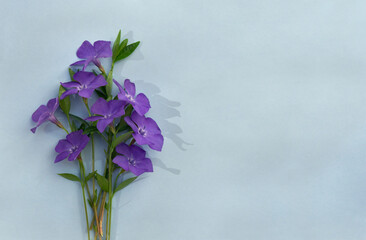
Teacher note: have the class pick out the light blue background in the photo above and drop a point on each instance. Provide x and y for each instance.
(262, 104)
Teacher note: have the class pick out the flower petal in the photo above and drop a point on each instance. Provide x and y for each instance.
(145, 164)
(102, 124)
(141, 104)
(74, 155)
(100, 107)
(122, 161)
(63, 145)
(98, 81)
(103, 49)
(75, 138)
(156, 142)
(117, 108)
(61, 156)
(94, 118)
(129, 121)
(137, 152)
(119, 86)
(72, 84)
(86, 50)
(151, 126)
(130, 87)
(78, 63)
(140, 139)
(86, 93)
(52, 104)
(68, 92)
(42, 109)
(123, 148)
(43, 118)
(83, 77)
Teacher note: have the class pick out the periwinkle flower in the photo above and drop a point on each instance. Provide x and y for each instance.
(85, 83)
(146, 131)
(90, 53)
(133, 159)
(140, 103)
(107, 112)
(72, 146)
(46, 113)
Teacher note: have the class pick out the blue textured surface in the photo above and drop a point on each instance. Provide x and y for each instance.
(262, 104)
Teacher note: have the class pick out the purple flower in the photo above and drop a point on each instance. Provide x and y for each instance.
(140, 103)
(107, 111)
(85, 83)
(72, 146)
(46, 113)
(133, 159)
(101, 49)
(146, 131)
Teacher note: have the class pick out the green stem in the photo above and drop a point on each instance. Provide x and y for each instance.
(85, 100)
(92, 141)
(110, 191)
(115, 181)
(93, 162)
(82, 172)
(65, 129)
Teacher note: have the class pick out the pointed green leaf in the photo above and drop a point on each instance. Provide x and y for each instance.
(70, 176)
(90, 130)
(127, 51)
(90, 175)
(116, 44)
(120, 48)
(109, 83)
(79, 119)
(71, 73)
(95, 196)
(73, 126)
(90, 203)
(121, 138)
(100, 94)
(65, 103)
(124, 184)
(102, 182)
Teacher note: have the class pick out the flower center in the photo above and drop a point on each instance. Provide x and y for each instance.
(73, 148)
(81, 87)
(129, 97)
(142, 131)
(108, 115)
(132, 161)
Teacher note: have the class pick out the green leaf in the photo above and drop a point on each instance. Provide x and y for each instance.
(90, 175)
(65, 103)
(90, 130)
(95, 196)
(90, 203)
(100, 94)
(124, 184)
(73, 126)
(70, 177)
(116, 44)
(120, 48)
(121, 138)
(102, 182)
(79, 119)
(127, 51)
(71, 73)
(109, 83)
(82, 126)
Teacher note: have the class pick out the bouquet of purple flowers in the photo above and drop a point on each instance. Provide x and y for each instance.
(118, 120)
